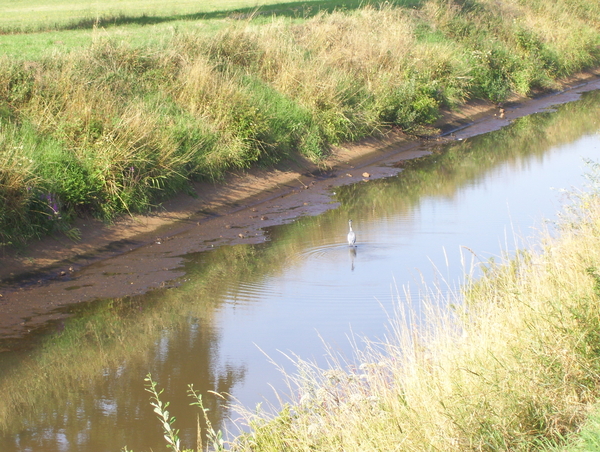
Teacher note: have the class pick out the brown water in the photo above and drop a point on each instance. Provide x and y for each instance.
(80, 385)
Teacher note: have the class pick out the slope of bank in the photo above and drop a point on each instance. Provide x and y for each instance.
(117, 128)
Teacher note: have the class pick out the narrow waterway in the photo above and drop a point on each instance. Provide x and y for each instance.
(81, 386)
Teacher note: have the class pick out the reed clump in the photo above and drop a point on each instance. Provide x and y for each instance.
(512, 363)
(119, 127)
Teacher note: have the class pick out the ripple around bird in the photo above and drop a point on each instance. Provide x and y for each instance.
(323, 273)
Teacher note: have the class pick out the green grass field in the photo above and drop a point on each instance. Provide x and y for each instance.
(31, 15)
(33, 29)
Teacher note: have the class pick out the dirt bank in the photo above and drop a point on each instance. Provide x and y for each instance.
(139, 253)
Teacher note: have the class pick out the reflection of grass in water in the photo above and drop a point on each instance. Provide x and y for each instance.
(66, 361)
(455, 165)
(514, 367)
(104, 334)
(107, 334)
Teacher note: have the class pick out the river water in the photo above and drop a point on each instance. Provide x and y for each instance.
(80, 387)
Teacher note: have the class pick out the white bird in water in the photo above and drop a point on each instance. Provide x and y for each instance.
(351, 234)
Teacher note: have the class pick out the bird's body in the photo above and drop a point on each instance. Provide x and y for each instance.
(351, 234)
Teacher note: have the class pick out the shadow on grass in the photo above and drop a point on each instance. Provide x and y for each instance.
(298, 10)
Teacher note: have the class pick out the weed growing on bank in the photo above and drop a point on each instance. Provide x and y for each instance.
(214, 439)
(116, 128)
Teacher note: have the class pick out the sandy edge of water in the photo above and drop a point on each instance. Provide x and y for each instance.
(57, 255)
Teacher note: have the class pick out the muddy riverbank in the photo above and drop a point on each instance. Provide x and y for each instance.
(137, 254)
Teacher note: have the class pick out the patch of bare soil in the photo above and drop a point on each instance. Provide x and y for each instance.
(139, 253)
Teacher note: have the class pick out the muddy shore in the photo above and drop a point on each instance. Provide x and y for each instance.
(137, 254)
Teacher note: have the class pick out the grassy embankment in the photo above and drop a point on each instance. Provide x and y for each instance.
(119, 124)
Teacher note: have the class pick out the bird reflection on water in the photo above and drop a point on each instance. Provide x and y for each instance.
(352, 257)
